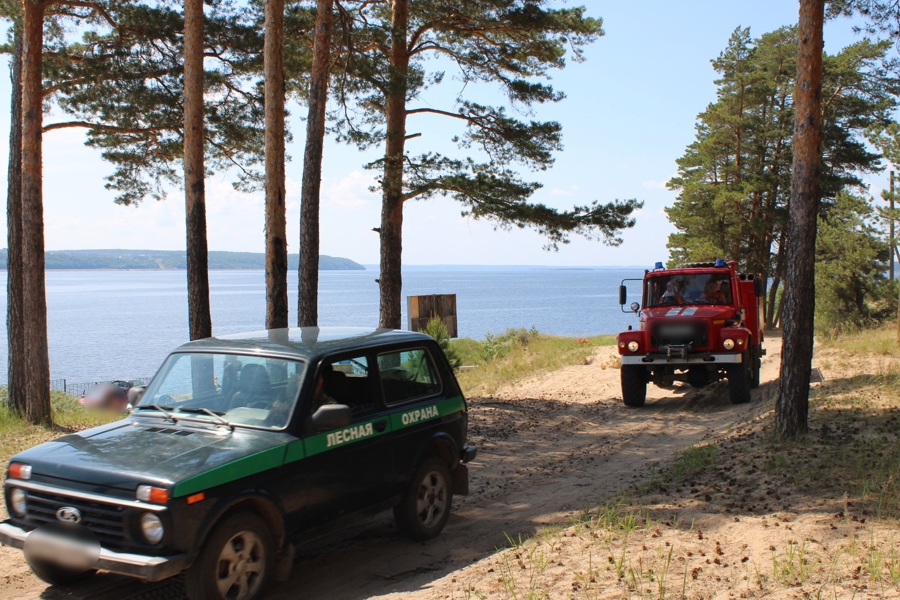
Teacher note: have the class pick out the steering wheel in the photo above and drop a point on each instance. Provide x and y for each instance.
(165, 400)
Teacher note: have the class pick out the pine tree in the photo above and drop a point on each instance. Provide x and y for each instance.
(276, 217)
(792, 404)
(15, 323)
(734, 180)
(308, 279)
(851, 262)
(384, 66)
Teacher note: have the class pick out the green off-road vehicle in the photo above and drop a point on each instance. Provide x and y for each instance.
(241, 447)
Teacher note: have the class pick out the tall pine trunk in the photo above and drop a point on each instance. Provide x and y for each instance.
(308, 299)
(15, 282)
(199, 319)
(792, 406)
(34, 306)
(392, 186)
(276, 219)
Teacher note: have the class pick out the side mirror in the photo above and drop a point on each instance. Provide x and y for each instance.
(331, 416)
(622, 295)
(759, 285)
(635, 306)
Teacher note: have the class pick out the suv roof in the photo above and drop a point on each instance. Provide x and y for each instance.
(303, 342)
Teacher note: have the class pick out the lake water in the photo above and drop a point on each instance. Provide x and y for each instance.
(121, 324)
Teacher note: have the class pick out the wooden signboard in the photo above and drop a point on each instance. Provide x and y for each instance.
(421, 309)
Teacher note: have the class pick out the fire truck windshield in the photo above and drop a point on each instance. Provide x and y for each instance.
(695, 288)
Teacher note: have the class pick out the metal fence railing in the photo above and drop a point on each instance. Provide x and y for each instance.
(77, 388)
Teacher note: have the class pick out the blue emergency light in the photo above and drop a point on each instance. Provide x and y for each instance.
(658, 265)
(720, 262)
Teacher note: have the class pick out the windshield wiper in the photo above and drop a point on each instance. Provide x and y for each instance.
(213, 413)
(161, 409)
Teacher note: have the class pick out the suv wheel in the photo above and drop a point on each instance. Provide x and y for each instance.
(236, 561)
(739, 381)
(57, 575)
(634, 385)
(425, 508)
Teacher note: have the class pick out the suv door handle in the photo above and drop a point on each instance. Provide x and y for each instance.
(380, 425)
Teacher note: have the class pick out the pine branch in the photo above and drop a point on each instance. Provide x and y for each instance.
(101, 127)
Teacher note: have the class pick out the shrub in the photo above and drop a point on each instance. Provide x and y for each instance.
(436, 329)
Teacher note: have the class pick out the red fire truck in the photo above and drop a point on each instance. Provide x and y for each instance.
(699, 322)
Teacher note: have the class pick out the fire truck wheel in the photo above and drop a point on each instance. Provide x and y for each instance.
(739, 381)
(755, 366)
(634, 385)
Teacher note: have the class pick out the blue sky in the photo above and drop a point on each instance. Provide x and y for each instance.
(629, 113)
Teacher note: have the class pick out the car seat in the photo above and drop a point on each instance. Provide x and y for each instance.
(254, 390)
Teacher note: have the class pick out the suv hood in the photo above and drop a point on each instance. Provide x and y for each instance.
(125, 454)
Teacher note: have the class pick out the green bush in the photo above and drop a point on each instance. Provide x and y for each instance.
(436, 329)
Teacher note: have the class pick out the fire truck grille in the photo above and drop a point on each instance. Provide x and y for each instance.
(678, 334)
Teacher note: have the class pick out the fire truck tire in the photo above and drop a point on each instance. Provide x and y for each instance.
(739, 381)
(634, 386)
(755, 366)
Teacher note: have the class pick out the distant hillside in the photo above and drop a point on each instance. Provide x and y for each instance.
(172, 259)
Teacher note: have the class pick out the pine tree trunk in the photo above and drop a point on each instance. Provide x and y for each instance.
(199, 318)
(771, 323)
(15, 282)
(34, 316)
(308, 299)
(276, 219)
(792, 406)
(392, 186)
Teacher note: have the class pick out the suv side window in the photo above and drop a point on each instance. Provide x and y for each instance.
(407, 375)
(345, 381)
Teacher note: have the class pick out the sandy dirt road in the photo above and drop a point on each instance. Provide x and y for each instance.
(548, 447)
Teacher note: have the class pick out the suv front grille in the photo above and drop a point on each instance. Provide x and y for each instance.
(679, 333)
(106, 521)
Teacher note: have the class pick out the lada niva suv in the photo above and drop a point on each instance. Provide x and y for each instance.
(241, 447)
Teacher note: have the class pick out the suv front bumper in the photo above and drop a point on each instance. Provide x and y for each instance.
(149, 568)
(700, 358)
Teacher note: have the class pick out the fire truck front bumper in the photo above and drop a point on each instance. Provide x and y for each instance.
(700, 358)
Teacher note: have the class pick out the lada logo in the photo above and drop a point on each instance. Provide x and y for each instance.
(67, 514)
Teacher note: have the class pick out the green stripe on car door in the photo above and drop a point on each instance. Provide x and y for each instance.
(408, 418)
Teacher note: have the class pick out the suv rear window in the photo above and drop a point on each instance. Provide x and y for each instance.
(407, 375)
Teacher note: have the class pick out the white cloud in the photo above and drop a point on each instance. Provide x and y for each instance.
(351, 191)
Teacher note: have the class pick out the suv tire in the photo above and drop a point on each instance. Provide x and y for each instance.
(236, 561)
(425, 508)
(634, 386)
(57, 575)
(739, 381)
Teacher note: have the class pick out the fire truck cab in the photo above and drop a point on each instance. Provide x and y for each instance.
(699, 322)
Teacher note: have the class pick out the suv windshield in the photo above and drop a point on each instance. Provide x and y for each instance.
(694, 288)
(239, 389)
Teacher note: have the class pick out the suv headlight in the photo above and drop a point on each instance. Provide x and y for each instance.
(152, 528)
(18, 502)
(728, 344)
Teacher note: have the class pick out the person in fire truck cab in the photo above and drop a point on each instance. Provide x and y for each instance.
(672, 295)
(712, 293)
(725, 290)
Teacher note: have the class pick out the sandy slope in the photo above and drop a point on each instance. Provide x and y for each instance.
(548, 446)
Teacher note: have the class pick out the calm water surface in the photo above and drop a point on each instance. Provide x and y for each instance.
(121, 324)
